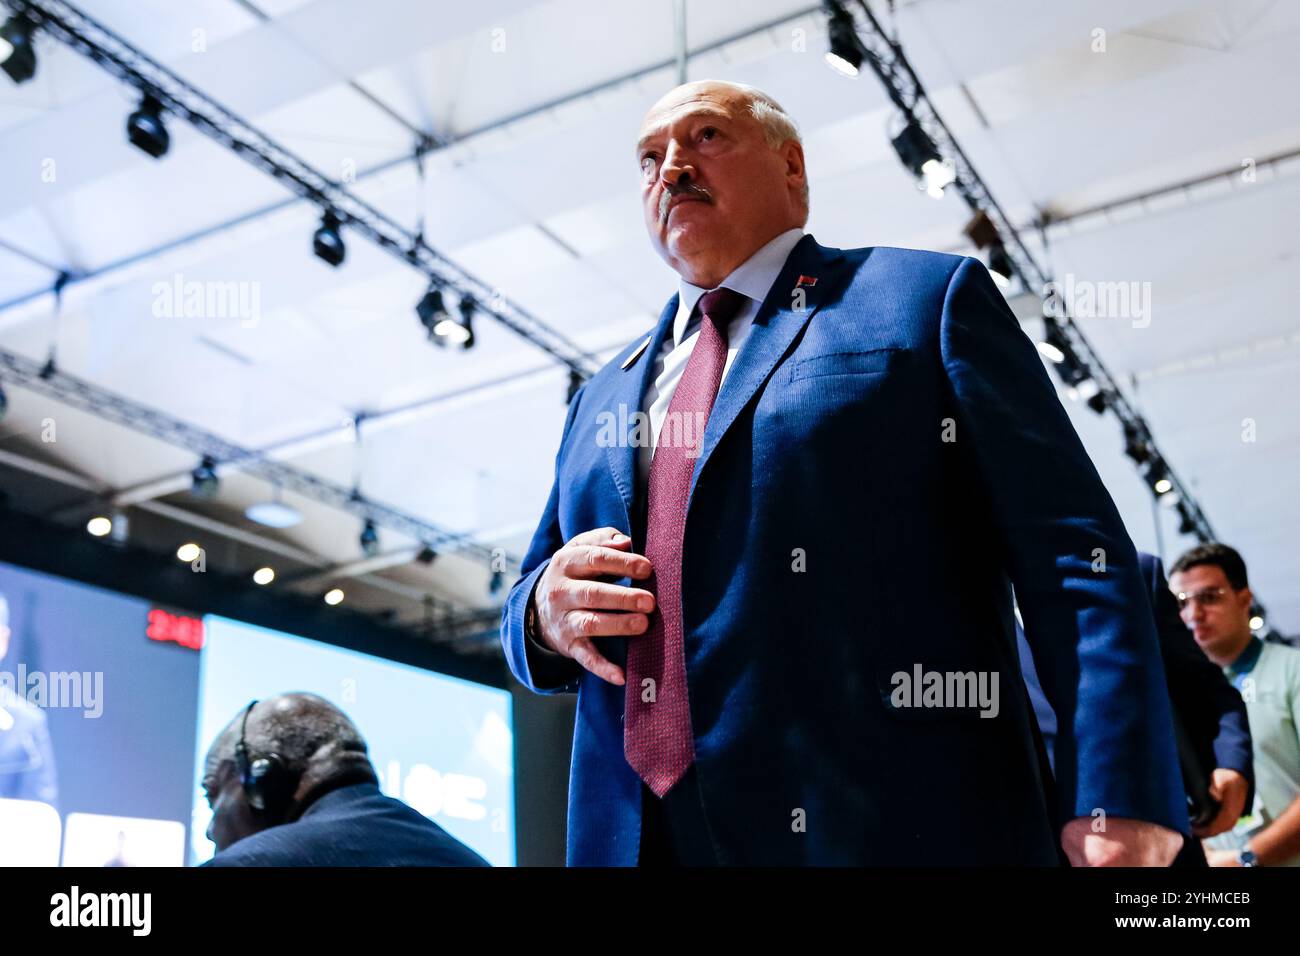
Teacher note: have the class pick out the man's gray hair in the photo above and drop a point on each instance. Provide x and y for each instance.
(778, 126)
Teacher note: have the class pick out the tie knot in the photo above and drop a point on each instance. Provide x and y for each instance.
(721, 305)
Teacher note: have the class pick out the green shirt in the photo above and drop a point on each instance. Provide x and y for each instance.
(1268, 676)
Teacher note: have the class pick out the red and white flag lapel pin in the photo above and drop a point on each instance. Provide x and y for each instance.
(808, 281)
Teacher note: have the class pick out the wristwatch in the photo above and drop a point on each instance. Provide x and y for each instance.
(1246, 857)
(530, 620)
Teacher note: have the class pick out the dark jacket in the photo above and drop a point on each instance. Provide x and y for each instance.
(352, 826)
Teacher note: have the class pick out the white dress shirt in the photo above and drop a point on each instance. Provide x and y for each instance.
(753, 279)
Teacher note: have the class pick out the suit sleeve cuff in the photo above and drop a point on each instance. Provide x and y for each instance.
(538, 668)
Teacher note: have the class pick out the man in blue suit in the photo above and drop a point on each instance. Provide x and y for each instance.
(777, 558)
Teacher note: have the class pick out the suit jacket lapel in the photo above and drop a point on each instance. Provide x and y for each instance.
(776, 324)
(629, 386)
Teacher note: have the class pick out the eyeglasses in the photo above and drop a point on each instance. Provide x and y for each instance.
(1205, 597)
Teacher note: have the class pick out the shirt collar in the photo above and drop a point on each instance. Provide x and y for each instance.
(752, 278)
(1248, 658)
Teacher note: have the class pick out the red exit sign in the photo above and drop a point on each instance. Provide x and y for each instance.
(175, 629)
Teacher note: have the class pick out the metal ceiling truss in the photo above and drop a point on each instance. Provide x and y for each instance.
(86, 36)
(48, 380)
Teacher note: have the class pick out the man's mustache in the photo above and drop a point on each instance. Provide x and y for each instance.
(685, 189)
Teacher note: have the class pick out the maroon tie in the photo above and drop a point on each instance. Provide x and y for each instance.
(657, 738)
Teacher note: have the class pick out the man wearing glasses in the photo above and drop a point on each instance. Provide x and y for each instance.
(1214, 600)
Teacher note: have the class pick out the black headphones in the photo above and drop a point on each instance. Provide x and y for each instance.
(267, 783)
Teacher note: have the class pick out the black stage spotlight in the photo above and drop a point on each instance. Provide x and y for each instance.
(1072, 371)
(1000, 267)
(432, 310)
(1157, 476)
(17, 52)
(914, 147)
(981, 231)
(1186, 523)
(328, 241)
(451, 332)
(427, 555)
(845, 53)
(1135, 446)
(918, 153)
(203, 479)
(1056, 336)
(369, 539)
(1054, 345)
(145, 129)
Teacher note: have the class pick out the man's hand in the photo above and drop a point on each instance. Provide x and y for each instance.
(573, 606)
(1124, 842)
(1229, 788)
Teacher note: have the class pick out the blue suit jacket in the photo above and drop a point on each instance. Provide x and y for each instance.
(895, 435)
(352, 826)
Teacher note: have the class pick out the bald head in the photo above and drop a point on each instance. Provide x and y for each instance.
(315, 742)
(297, 726)
(722, 173)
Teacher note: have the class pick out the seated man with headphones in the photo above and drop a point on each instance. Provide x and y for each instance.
(290, 784)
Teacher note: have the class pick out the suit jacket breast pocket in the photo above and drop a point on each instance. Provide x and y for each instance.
(844, 363)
